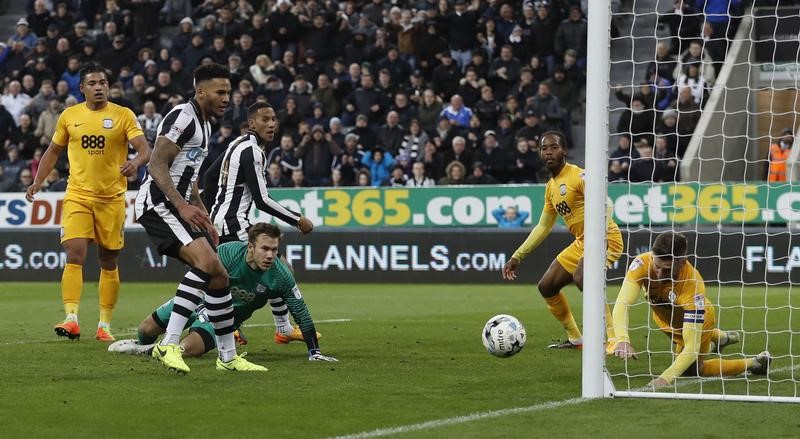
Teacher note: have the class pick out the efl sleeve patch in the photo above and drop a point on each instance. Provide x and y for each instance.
(635, 264)
(296, 292)
(700, 301)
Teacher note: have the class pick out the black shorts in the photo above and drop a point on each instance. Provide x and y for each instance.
(168, 231)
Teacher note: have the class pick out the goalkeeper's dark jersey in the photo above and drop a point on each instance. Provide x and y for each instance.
(251, 290)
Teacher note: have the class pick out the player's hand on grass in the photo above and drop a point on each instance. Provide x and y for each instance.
(305, 225)
(195, 216)
(624, 350)
(316, 355)
(32, 190)
(510, 269)
(658, 383)
(128, 169)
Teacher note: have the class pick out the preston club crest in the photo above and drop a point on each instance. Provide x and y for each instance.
(108, 123)
(563, 189)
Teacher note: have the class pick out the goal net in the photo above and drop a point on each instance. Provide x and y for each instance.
(702, 114)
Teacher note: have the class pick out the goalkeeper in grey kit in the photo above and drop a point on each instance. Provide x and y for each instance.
(258, 276)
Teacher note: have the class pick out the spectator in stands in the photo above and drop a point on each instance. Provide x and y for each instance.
(544, 28)
(504, 71)
(688, 117)
(15, 101)
(643, 167)
(547, 107)
(429, 111)
(149, 121)
(55, 182)
(454, 174)
(496, 160)
(275, 177)
(25, 179)
(39, 19)
(298, 179)
(445, 76)
(46, 125)
(695, 54)
(566, 91)
(284, 28)
(470, 87)
(479, 175)
(779, 152)
(318, 153)
(390, 134)
(620, 158)
(379, 163)
(397, 177)
(509, 217)
(684, 25)
(664, 63)
(692, 80)
(666, 164)
(41, 100)
(24, 34)
(363, 179)
(571, 34)
(23, 136)
(638, 120)
(488, 109)
(526, 163)
(456, 113)
(6, 183)
(666, 127)
(418, 176)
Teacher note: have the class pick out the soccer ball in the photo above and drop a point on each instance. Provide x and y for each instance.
(503, 335)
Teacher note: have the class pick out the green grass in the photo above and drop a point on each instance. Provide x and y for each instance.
(409, 354)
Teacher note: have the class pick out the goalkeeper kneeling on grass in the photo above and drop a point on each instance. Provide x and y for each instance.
(257, 276)
(677, 295)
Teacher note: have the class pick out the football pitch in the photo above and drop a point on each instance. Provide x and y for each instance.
(411, 365)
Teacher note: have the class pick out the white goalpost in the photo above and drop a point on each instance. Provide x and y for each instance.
(741, 228)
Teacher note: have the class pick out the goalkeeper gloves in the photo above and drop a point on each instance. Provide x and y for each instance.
(316, 355)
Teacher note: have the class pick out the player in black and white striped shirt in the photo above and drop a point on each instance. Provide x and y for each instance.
(237, 180)
(168, 206)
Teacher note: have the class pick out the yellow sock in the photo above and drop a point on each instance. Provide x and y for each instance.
(559, 307)
(718, 367)
(71, 287)
(109, 292)
(609, 324)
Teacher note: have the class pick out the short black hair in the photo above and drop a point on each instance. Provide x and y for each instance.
(268, 229)
(210, 71)
(253, 108)
(91, 67)
(670, 245)
(562, 139)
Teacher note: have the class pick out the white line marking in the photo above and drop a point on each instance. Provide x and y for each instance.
(56, 339)
(512, 411)
(462, 419)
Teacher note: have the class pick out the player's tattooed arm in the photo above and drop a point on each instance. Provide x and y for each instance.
(161, 159)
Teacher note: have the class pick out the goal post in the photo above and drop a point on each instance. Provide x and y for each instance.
(596, 178)
(741, 229)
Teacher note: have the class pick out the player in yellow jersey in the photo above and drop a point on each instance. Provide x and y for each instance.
(96, 135)
(677, 295)
(564, 196)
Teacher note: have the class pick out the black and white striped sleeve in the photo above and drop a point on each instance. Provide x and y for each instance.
(253, 164)
(179, 126)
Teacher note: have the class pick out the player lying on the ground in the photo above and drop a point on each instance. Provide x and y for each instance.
(258, 276)
(677, 295)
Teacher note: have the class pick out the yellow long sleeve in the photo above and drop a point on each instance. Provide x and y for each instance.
(627, 296)
(692, 334)
(537, 235)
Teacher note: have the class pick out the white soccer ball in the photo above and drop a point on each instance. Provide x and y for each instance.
(503, 335)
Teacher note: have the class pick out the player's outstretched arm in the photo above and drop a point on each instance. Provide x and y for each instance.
(537, 235)
(257, 184)
(627, 297)
(130, 167)
(692, 334)
(161, 159)
(46, 165)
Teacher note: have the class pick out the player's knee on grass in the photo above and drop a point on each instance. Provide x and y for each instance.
(150, 328)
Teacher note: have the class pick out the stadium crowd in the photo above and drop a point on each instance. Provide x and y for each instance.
(370, 93)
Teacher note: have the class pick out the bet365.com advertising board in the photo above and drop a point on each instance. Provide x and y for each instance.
(472, 206)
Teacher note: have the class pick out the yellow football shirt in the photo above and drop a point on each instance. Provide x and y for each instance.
(564, 194)
(672, 300)
(97, 144)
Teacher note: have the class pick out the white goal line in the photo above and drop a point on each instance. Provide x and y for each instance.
(529, 409)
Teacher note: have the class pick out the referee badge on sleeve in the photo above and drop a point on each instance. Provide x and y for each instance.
(108, 123)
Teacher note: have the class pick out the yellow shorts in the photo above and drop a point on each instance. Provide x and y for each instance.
(569, 257)
(100, 220)
(709, 326)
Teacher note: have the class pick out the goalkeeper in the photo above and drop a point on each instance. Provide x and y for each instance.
(676, 292)
(258, 276)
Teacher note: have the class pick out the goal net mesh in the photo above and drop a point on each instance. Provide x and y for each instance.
(703, 112)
